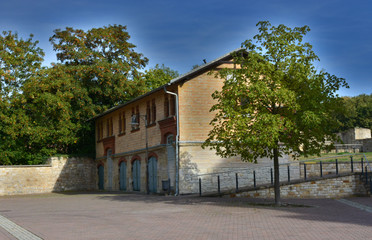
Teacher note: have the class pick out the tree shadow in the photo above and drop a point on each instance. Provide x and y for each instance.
(324, 210)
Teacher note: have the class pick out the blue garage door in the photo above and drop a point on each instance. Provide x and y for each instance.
(153, 176)
(101, 177)
(123, 176)
(136, 173)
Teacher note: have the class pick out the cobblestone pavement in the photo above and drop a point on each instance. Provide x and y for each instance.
(135, 216)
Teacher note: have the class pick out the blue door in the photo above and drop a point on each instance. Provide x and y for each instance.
(123, 176)
(153, 176)
(136, 173)
(101, 177)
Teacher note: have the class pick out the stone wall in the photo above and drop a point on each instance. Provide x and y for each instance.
(60, 174)
(196, 163)
(367, 144)
(335, 187)
(353, 134)
(247, 172)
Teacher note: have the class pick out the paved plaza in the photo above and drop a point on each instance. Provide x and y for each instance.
(134, 216)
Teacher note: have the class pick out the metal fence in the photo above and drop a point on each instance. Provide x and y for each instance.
(236, 180)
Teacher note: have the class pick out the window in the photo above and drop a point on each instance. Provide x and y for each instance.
(172, 105)
(122, 123)
(99, 131)
(135, 118)
(153, 111)
(148, 113)
(166, 106)
(109, 127)
(169, 105)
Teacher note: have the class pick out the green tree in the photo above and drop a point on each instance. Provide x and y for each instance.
(19, 60)
(103, 70)
(44, 111)
(158, 76)
(103, 61)
(276, 103)
(357, 112)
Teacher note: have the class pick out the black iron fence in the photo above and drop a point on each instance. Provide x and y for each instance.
(230, 181)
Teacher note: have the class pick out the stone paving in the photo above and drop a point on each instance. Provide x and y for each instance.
(131, 216)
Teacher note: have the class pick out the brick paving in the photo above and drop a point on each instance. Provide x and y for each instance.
(131, 216)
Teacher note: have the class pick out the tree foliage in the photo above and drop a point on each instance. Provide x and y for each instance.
(158, 76)
(44, 111)
(276, 102)
(20, 60)
(357, 112)
(103, 61)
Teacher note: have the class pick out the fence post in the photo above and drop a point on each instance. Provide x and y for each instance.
(362, 165)
(200, 190)
(289, 174)
(321, 168)
(254, 179)
(366, 175)
(351, 164)
(218, 182)
(305, 171)
(336, 166)
(271, 174)
(236, 182)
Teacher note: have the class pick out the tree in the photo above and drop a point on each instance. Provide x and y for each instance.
(102, 70)
(19, 60)
(357, 112)
(276, 102)
(44, 111)
(103, 61)
(158, 76)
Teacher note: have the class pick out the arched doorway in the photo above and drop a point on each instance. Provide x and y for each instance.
(101, 177)
(123, 176)
(136, 174)
(153, 174)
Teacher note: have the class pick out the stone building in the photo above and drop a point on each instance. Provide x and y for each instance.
(181, 108)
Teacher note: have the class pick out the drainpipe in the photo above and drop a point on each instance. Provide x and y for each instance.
(177, 140)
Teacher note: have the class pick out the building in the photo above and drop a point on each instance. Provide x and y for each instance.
(145, 155)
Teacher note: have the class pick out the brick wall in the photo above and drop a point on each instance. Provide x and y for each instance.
(195, 101)
(133, 140)
(60, 174)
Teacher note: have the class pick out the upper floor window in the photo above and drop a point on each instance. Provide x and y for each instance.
(169, 105)
(135, 120)
(166, 106)
(153, 111)
(99, 130)
(122, 123)
(109, 127)
(172, 105)
(148, 113)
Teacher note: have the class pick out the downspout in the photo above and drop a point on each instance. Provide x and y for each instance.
(177, 140)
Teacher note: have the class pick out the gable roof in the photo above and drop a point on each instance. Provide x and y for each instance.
(184, 77)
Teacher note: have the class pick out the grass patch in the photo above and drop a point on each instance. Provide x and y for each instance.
(342, 157)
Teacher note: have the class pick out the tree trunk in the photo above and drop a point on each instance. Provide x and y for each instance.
(276, 177)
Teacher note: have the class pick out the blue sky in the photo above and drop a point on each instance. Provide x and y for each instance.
(181, 34)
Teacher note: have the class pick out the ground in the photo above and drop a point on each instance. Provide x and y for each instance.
(133, 216)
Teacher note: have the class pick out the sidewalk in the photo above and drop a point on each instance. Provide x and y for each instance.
(132, 216)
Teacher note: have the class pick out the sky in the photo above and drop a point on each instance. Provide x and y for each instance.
(180, 34)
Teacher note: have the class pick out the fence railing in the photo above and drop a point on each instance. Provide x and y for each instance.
(236, 180)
